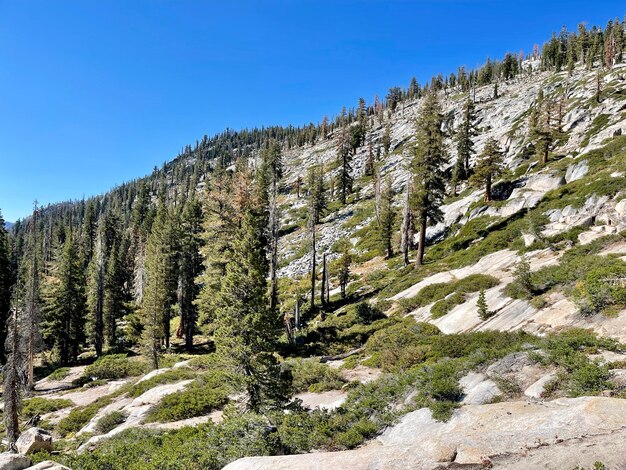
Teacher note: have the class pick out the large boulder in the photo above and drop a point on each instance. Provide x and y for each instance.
(34, 440)
(12, 461)
(571, 431)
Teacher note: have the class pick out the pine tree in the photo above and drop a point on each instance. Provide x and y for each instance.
(270, 175)
(190, 269)
(246, 327)
(523, 278)
(12, 372)
(317, 204)
(113, 308)
(66, 303)
(430, 157)
(32, 308)
(490, 165)
(344, 158)
(407, 228)
(387, 139)
(483, 308)
(95, 294)
(465, 144)
(5, 286)
(385, 217)
(344, 269)
(162, 281)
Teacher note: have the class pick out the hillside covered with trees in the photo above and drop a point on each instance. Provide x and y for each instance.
(284, 290)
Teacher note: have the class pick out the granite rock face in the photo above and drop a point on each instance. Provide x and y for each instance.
(506, 433)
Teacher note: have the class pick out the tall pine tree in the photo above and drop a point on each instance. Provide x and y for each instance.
(429, 159)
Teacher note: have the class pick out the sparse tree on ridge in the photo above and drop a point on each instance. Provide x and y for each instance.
(430, 157)
(490, 165)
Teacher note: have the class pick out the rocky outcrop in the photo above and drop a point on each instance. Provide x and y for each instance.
(34, 440)
(566, 429)
(12, 461)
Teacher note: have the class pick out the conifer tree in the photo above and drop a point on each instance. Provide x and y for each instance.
(246, 326)
(66, 303)
(270, 175)
(12, 372)
(32, 306)
(344, 157)
(490, 165)
(465, 144)
(162, 281)
(407, 227)
(190, 269)
(344, 269)
(114, 298)
(95, 294)
(385, 216)
(430, 157)
(317, 204)
(481, 304)
(387, 139)
(5, 286)
(227, 197)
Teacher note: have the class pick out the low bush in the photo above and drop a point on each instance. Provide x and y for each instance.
(313, 376)
(207, 393)
(60, 373)
(116, 366)
(79, 417)
(40, 406)
(367, 314)
(110, 421)
(169, 376)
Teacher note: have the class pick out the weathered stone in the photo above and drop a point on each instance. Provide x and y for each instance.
(34, 440)
(12, 461)
(478, 389)
(48, 465)
(476, 432)
(576, 171)
(537, 389)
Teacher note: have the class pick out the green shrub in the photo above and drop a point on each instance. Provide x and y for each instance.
(207, 393)
(439, 291)
(443, 306)
(311, 375)
(59, 374)
(110, 421)
(366, 313)
(169, 376)
(40, 406)
(115, 366)
(79, 417)
(589, 379)
(400, 346)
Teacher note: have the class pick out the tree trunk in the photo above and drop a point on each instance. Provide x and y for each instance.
(405, 243)
(273, 222)
(323, 289)
(313, 268)
(422, 240)
(488, 189)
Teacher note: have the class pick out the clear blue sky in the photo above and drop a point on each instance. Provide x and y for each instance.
(94, 93)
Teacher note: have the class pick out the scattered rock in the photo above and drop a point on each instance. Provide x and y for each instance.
(576, 171)
(12, 461)
(537, 389)
(48, 465)
(34, 440)
(478, 389)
